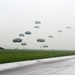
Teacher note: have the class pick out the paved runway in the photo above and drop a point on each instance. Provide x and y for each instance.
(62, 67)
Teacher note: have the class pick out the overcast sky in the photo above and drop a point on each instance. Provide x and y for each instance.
(19, 16)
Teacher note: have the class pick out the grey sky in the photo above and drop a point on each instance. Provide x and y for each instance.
(18, 16)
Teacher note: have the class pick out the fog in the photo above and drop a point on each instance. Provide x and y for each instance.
(19, 16)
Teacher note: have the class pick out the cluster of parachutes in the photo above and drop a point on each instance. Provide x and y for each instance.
(19, 40)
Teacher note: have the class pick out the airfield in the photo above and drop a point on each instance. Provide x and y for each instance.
(53, 66)
(37, 62)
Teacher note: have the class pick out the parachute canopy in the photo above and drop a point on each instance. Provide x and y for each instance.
(60, 31)
(50, 36)
(23, 44)
(28, 33)
(68, 27)
(45, 46)
(21, 34)
(37, 22)
(36, 26)
(17, 40)
(40, 40)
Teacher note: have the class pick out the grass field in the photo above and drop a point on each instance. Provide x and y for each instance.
(23, 55)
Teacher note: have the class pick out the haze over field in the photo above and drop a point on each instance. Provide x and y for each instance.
(19, 16)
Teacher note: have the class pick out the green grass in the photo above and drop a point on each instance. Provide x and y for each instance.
(23, 55)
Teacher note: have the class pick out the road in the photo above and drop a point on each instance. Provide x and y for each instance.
(61, 67)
